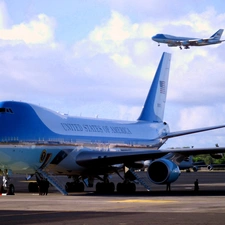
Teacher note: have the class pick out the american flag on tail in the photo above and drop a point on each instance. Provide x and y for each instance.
(162, 85)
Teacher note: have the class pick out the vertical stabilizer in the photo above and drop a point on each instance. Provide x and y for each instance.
(153, 110)
(217, 35)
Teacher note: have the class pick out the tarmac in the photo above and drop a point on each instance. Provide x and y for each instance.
(182, 205)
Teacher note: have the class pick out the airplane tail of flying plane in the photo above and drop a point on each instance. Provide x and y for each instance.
(153, 110)
(217, 35)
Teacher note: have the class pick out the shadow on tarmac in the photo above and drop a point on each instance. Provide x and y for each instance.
(157, 193)
(102, 218)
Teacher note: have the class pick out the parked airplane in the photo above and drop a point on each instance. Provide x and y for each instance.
(188, 164)
(36, 140)
(174, 41)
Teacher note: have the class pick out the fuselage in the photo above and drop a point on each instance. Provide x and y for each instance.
(28, 131)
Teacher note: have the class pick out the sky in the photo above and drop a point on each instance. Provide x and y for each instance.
(96, 58)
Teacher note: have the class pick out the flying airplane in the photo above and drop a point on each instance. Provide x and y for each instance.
(38, 141)
(186, 42)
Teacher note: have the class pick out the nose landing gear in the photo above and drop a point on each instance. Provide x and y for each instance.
(7, 188)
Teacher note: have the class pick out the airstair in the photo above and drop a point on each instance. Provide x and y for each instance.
(53, 181)
(143, 180)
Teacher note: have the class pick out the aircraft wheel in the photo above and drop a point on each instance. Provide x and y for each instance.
(69, 186)
(99, 187)
(2, 189)
(80, 187)
(11, 190)
(131, 187)
(111, 187)
(120, 187)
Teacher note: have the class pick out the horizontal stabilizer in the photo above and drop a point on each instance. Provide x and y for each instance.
(192, 131)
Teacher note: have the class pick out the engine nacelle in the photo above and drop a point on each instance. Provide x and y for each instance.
(172, 45)
(217, 155)
(210, 167)
(185, 43)
(195, 168)
(162, 171)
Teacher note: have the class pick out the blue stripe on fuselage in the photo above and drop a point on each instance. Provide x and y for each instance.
(24, 124)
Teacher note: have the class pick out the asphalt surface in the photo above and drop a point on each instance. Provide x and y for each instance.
(182, 205)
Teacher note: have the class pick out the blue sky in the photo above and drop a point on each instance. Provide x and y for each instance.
(93, 58)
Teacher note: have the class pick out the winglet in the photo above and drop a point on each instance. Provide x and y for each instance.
(153, 110)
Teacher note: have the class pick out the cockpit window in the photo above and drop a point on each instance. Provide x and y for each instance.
(6, 110)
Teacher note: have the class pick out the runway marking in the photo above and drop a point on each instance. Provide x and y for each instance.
(144, 201)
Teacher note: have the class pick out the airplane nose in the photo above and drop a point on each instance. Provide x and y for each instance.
(153, 38)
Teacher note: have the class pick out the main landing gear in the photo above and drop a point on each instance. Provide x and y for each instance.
(75, 186)
(105, 186)
(127, 186)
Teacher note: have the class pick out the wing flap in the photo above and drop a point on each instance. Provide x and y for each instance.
(88, 158)
(91, 158)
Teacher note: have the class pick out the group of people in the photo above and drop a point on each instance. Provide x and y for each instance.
(43, 186)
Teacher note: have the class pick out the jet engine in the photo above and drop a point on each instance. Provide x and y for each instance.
(217, 155)
(185, 43)
(195, 168)
(162, 171)
(172, 45)
(210, 167)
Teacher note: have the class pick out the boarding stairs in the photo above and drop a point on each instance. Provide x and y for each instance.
(53, 181)
(143, 180)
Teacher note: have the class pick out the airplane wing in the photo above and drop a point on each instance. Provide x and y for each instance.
(193, 42)
(88, 158)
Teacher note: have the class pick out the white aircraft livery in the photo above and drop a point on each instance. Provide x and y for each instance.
(37, 141)
(186, 42)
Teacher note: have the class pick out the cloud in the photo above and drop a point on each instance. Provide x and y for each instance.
(38, 31)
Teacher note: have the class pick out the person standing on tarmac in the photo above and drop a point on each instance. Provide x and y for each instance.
(46, 186)
(168, 187)
(196, 187)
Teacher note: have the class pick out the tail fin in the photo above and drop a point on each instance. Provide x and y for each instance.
(217, 35)
(153, 110)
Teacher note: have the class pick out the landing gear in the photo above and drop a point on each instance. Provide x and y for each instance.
(7, 188)
(126, 187)
(75, 186)
(11, 190)
(105, 186)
